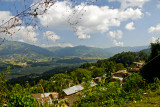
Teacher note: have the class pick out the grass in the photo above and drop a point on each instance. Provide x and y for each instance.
(151, 99)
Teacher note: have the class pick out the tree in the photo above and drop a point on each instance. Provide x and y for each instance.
(98, 72)
(3, 86)
(110, 68)
(61, 81)
(155, 49)
(80, 74)
(119, 66)
(151, 69)
(29, 17)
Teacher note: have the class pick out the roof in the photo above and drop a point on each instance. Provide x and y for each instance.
(134, 69)
(97, 78)
(120, 78)
(73, 89)
(50, 93)
(92, 84)
(77, 88)
(121, 71)
(38, 95)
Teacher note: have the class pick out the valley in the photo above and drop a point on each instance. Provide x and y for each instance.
(25, 59)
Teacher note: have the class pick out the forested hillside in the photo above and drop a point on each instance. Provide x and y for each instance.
(106, 92)
(16, 50)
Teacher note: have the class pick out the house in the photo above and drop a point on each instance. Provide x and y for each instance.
(71, 93)
(72, 90)
(134, 70)
(139, 64)
(97, 79)
(49, 97)
(117, 78)
(121, 73)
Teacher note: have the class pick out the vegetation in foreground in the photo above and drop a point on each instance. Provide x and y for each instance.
(137, 88)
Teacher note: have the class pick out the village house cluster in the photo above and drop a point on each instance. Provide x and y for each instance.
(71, 94)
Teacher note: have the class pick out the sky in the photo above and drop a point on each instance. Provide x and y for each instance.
(93, 23)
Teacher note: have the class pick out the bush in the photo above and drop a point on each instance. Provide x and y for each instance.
(155, 85)
(133, 83)
(22, 100)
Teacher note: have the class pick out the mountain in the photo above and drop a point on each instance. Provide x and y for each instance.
(115, 50)
(13, 49)
(81, 51)
(19, 49)
(84, 51)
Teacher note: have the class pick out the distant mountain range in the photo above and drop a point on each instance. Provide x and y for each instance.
(20, 49)
(14, 49)
(83, 51)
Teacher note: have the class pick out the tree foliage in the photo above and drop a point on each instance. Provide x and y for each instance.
(60, 81)
(155, 49)
(80, 74)
(127, 58)
(3, 86)
(151, 69)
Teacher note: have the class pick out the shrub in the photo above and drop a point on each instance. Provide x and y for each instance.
(133, 83)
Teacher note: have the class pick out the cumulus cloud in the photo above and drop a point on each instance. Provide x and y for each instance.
(117, 43)
(51, 36)
(5, 16)
(130, 3)
(23, 34)
(130, 26)
(19, 33)
(27, 34)
(116, 34)
(154, 40)
(155, 29)
(86, 20)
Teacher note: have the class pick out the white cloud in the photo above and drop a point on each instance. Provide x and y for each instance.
(9, 0)
(51, 36)
(5, 16)
(130, 26)
(57, 45)
(21, 40)
(65, 45)
(56, 16)
(154, 40)
(131, 3)
(86, 20)
(148, 13)
(155, 29)
(117, 43)
(19, 33)
(22, 34)
(25, 34)
(158, 5)
(81, 34)
(130, 13)
(116, 34)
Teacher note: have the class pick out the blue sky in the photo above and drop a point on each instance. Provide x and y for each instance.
(103, 23)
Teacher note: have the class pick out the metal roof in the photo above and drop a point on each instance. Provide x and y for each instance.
(73, 89)
(77, 88)
(120, 78)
